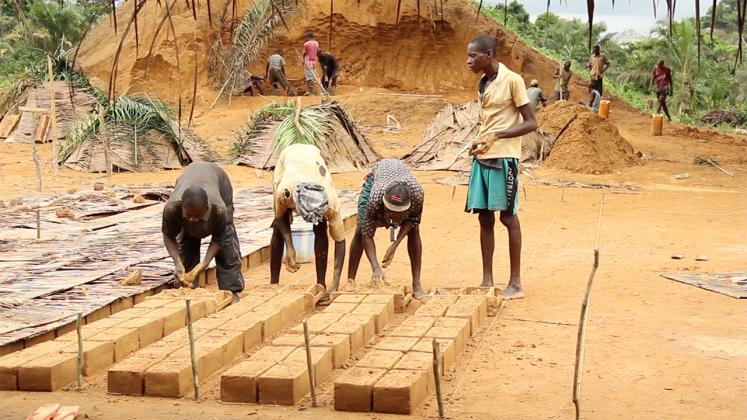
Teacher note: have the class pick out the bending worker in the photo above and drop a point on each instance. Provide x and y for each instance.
(201, 206)
(391, 196)
(302, 182)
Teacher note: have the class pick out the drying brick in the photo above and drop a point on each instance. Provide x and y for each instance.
(239, 384)
(380, 359)
(149, 329)
(400, 391)
(339, 343)
(447, 349)
(354, 390)
(382, 314)
(47, 373)
(97, 355)
(341, 307)
(403, 344)
(351, 328)
(317, 323)
(284, 384)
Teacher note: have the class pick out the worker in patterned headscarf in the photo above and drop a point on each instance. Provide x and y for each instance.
(302, 182)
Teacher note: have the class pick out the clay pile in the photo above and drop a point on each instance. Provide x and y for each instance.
(584, 143)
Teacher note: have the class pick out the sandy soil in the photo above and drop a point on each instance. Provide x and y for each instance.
(655, 348)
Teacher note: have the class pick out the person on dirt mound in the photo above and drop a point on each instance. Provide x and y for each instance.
(598, 65)
(391, 197)
(302, 182)
(562, 76)
(275, 72)
(310, 52)
(536, 97)
(662, 76)
(201, 206)
(594, 100)
(330, 68)
(505, 116)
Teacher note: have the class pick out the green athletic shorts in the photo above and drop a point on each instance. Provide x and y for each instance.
(493, 186)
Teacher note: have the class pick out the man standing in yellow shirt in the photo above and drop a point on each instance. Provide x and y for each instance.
(598, 65)
(302, 182)
(505, 116)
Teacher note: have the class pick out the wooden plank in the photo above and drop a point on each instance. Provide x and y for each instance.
(8, 124)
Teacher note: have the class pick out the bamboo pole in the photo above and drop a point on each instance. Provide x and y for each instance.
(35, 157)
(309, 364)
(79, 376)
(581, 336)
(195, 378)
(437, 375)
(53, 114)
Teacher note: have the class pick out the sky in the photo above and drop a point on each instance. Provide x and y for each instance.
(635, 15)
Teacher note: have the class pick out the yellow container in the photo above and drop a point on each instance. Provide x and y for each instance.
(604, 109)
(657, 124)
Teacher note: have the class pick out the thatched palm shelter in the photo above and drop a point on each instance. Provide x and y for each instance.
(446, 141)
(328, 126)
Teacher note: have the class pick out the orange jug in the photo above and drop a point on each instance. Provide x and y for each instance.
(604, 109)
(657, 124)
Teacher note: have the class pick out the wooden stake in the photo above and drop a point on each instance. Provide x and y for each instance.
(453, 192)
(78, 324)
(52, 114)
(309, 365)
(35, 157)
(581, 337)
(437, 375)
(195, 377)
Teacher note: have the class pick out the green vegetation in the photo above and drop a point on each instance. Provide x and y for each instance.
(712, 82)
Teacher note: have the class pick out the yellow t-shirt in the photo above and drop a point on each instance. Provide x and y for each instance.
(596, 65)
(499, 110)
(304, 163)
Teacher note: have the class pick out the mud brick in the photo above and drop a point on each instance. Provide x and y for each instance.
(121, 304)
(351, 328)
(339, 343)
(212, 276)
(86, 331)
(461, 323)
(10, 363)
(321, 360)
(317, 323)
(387, 300)
(250, 328)
(38, 339)
(272, 320)
(354, 389)
(340, 307)
(239, 384)
(154, 302)
(97, 355)
(127, 377)
(349, 298)
(96, 315)
(432, 309)
(169, 378)
(413, 327)
(400, 392)
(467, 311)
(106, 323)
(419, 321)
(275, 354)
(265, 251)
(369, 325)
(291, 340)
(210, 323)
(447, 349)
(149, 330)
(403, 344)
(481, 302)
(382, 313)
(220, 348)
(131, 313)
(173, 318)
(254, 260)
(284, 384)
(199, 308)
(48, 373)
(290, 306)
(11, 348)
(452, 333)
(444, 300)
(65, 329)
(380, 359)
(140, 297)
(421, 361)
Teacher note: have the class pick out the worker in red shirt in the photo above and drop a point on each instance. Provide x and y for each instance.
(662, 76)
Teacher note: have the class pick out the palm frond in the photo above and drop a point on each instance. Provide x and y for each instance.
(259, 122)
(313, 125)
(17, 93)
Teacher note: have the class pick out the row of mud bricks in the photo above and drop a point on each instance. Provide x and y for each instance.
(396, 376)
(278, 374)
(52, 365)
(164, 368)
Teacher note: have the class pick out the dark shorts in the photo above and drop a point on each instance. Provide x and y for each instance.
(662, 92)
(566, 95)
(597, 85)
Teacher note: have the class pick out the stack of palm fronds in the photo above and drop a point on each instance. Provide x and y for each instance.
(16, 94)
(257, 27)
(326, 126)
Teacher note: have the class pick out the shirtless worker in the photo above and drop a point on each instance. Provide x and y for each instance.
(200, 206)
(330, 68)
(505, 115)
(302, 182)
(391, 196)
(662, 77)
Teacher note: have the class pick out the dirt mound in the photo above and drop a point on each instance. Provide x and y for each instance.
(422, 53)
(584, 142)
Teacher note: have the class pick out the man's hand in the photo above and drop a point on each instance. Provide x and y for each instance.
(290, 261)
(188, 280)
(482, 145)
(377, 278)
(389, 255)
(178, 272)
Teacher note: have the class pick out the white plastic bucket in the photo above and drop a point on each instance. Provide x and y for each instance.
(302, 235)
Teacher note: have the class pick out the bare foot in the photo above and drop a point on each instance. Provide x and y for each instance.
(291, 265)
(512, 292)
(235, 298)
(417, 292)
(324, 300)
(351, 286)
(486, 283)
